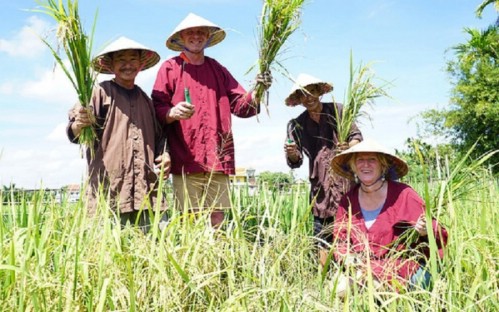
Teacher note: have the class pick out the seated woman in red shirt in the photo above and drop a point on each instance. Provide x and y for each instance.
(374, 214)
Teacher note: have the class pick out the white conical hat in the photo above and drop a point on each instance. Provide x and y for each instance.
(174, 42)
(303, 81)
(397, 167)
(102, 62)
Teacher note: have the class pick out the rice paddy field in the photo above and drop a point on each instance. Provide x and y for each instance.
(54, 258)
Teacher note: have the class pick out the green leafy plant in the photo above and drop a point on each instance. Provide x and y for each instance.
(361, 92)
(279, 19)
(77, 47)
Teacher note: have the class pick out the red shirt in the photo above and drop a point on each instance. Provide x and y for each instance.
(402, 207)
(204, 142)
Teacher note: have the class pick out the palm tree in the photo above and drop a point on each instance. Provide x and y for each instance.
(481, 44)
(484, 4)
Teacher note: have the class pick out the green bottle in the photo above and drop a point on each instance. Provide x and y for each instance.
(187, 95)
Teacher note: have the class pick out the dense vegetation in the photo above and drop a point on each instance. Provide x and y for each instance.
(472, 116)
(54, 258)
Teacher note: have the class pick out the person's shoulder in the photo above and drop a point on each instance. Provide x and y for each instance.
(397, 185)
(331, 107)
(403, 188)
(104, 86)
(143, 93)
(172, 61)
(351, 195)
(214, 63)
(209, 59)
(105, 83)
(354, 190)
(301, 118)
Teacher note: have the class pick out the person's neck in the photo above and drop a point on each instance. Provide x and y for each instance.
(315, 112)
(372, 188)
(127, 84)
(195, 58)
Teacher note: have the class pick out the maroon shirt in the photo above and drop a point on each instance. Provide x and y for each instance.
(204, 142)
(401, 210)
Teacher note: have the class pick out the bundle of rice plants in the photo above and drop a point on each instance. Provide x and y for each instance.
(279, 19)
(77, 47)
(361, 91)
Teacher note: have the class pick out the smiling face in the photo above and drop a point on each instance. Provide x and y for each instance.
(126, 65)
(195, 38)
(310, 97)
(368, 167)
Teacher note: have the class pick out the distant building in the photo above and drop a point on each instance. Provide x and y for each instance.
(244, 177)
(71, 192)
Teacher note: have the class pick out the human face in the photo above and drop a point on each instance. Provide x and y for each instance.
(126, 65)
(367, 167)
(310, 98)
(195, 38)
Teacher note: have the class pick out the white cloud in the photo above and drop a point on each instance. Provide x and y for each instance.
(48, 165)
(58, 134)
(51, 86)
(26, 42)
(7, 88)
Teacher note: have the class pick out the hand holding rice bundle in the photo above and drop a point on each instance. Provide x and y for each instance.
(77, 46)
(279, 19)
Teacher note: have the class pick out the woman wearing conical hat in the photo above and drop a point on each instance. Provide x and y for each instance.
(376, 212)
(314, 134)
(195, 97)
(129, 144)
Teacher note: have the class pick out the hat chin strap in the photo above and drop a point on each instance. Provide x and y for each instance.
(186, 49)
(381, 177)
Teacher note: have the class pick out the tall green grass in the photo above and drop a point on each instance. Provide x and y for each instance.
(55, 258)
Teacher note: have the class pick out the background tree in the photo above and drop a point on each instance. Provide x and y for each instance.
(436, 159)
(11, 194)
(473, 114)
(275, 180)
(485, 4)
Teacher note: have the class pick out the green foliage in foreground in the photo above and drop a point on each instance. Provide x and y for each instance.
(54, 258)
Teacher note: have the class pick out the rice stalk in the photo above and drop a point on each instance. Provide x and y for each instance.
(279, 19)
(77, 47)
(361, 92)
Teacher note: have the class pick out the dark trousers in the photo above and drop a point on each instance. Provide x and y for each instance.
(142, 219)
(323, 231)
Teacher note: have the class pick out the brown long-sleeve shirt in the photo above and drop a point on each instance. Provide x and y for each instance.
(128, 138)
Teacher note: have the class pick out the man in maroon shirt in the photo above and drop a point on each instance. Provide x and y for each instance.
(195, 98)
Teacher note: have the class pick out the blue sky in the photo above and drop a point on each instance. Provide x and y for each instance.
(408, 42)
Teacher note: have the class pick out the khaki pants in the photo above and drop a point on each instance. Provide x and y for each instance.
(201, 191)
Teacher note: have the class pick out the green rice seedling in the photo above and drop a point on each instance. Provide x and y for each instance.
(53, 257)
(361, 91)
(77, 47)
(278, 20)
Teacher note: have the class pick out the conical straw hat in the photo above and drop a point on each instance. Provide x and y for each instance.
(175, 43)
(397, 167)
(303, 81)
(102, 62)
